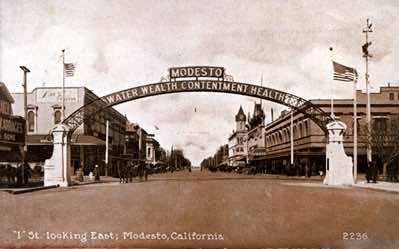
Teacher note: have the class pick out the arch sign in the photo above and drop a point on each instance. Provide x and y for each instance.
(199, 79)
(179, 80)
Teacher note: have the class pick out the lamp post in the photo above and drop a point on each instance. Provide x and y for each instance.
(26, 71)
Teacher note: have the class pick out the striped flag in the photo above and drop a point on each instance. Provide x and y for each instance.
(344, 73)
(69, 69)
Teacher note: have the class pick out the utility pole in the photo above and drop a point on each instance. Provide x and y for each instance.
(292, 137)
(106, 147)
(366, 55)
(26, 71)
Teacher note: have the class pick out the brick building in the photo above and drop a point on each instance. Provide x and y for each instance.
(88, 141)
(310, 141)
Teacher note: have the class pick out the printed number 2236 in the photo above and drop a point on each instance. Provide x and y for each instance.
(354, 236)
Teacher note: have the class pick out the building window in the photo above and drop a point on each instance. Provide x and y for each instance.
(31, 121)
(380, 124)
(300, 130)
(57, 117)
(391, 96)
(149, 152)
(5, 107)
(306, 131)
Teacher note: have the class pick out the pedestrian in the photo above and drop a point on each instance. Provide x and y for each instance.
(374, 172)
(146, 171)
(130, 171)
(140, 171)
(27, 173)
(321, 173)
(19, 175)
(96, 173)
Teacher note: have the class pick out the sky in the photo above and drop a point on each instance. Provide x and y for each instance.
(120, 44)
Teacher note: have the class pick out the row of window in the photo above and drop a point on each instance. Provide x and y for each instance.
(98, 125)
(284, 135)
(238, 149)
(240, 140)
(392, 96)
(32, 119)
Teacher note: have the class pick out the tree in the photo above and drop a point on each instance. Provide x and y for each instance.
(384, 141)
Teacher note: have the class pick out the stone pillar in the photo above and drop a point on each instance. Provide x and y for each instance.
(339, 166)
(57, 169)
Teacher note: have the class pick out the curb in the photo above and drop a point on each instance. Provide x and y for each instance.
(89, 183)
(22, 191)
(377, 189)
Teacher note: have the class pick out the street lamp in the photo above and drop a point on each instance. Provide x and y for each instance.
(26, 71)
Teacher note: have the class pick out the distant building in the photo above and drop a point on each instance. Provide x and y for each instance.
(135, 143)
(248, 140)
(142, 147)
(88, 141)
(256, 136)
(178, 161)
(151, 147)
(12, 129)
(237, 141)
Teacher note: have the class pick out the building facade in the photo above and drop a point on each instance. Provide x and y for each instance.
(12, 129)
(88, 141)
(310, 140)
(267, 148)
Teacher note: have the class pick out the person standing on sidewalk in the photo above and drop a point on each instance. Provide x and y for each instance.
(146, 169)
(96, 173)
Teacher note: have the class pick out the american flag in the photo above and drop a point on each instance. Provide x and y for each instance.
(69, 69)
(344, 73)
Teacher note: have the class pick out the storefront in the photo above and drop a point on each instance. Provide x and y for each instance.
(12, 129)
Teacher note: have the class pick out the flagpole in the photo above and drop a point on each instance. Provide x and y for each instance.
(63, 86)
(331, 88)
(354, 130)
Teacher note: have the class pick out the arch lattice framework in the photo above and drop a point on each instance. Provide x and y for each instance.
(309, 110)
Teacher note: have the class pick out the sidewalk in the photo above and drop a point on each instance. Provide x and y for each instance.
(382, 186)
(36, 186)
(379, 186)
(87, 180)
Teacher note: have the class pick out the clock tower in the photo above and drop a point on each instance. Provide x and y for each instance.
(240, 120)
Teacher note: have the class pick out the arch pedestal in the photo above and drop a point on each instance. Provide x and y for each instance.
(339, 166)
(57, 169)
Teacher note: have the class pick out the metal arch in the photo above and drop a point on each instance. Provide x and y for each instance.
(299, 104)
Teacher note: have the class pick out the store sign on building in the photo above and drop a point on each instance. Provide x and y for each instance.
(196, 72)
(55, 95)
(11, 129)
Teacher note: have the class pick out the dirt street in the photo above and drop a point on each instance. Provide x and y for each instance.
(202, 209)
